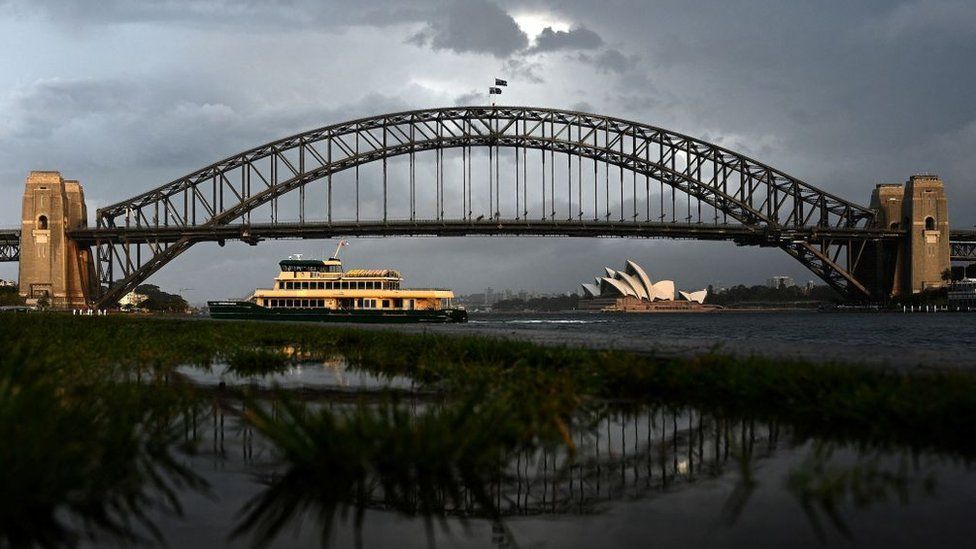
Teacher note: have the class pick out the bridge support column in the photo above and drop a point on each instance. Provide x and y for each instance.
(53, 268)
(920, 207)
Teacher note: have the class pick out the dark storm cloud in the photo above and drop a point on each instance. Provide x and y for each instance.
(128, 136)
(610, 60)
(519, 70)
(578, 38)
(264, 14)
(477, 26)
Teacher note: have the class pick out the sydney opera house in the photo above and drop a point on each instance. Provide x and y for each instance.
(631, 290)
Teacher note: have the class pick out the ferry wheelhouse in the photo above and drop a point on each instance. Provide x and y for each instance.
(318, 290)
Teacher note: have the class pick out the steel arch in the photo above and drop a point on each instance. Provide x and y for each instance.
(754, 194)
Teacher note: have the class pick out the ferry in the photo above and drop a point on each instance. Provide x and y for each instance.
(320, 291)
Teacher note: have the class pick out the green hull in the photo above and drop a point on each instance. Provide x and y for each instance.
(245, 310)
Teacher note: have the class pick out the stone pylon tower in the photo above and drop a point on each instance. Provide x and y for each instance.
(920, 208)
(52, 266)
(925, 214)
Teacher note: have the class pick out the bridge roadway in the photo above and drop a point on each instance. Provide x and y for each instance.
(252, 233)
(963, 242)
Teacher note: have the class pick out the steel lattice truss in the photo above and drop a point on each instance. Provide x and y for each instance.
(9, 245)
(762, 205)
(962, 245)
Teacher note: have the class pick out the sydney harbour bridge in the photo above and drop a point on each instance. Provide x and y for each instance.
(485, 171)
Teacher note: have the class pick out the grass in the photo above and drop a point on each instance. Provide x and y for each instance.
(80, 459)
(931, 408)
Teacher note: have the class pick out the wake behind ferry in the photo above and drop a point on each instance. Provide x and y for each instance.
(320, 291)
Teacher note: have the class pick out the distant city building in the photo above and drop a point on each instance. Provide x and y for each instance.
(7, 283)
(780, 281)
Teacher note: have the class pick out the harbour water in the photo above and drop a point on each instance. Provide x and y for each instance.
(902, 340)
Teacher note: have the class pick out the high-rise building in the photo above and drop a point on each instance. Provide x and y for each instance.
(780, 281)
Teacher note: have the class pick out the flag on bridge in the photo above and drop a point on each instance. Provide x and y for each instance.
(500, 82)
(494, 91)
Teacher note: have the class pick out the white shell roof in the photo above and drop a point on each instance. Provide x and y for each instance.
(697, 297)
(634, 281)
(635, 285)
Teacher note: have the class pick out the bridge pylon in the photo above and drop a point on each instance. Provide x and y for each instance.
(53, 267)
(917, 262)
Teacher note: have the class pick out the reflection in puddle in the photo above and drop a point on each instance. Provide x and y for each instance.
(625, 460)
(331, 374)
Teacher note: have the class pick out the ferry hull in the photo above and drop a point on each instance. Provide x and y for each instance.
(245, 310)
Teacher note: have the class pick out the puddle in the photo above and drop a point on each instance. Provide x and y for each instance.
(333, 374)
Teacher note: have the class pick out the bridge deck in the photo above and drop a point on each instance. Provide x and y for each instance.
(512, 227)
(963, 242)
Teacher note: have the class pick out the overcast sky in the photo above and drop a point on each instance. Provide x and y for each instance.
(126, 95)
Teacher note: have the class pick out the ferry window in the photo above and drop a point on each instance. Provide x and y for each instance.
(386, 303)
(359, 303)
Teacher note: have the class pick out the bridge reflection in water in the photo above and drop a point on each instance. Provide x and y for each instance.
(622, 454)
